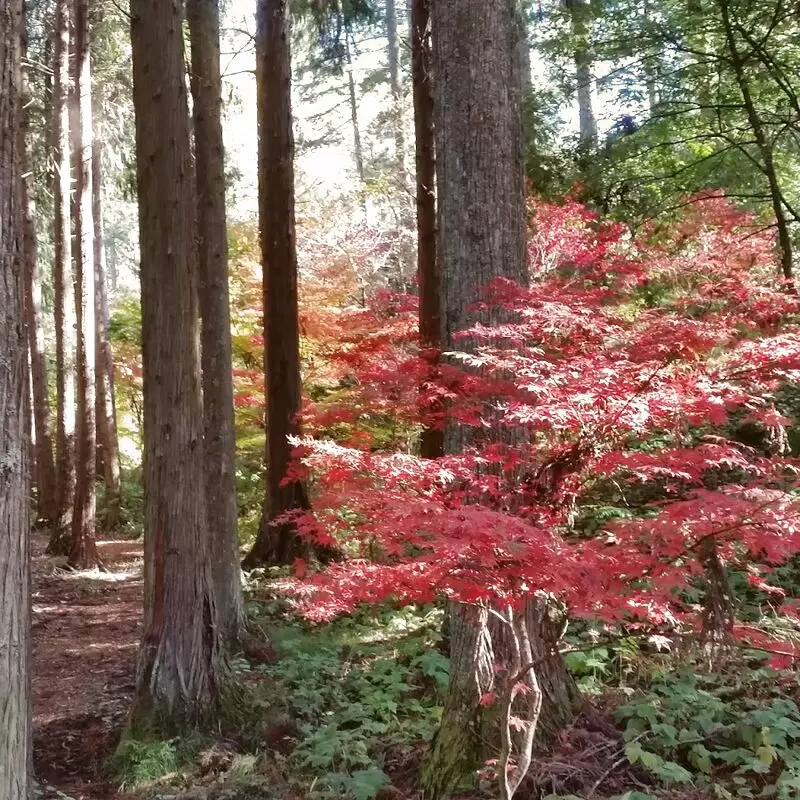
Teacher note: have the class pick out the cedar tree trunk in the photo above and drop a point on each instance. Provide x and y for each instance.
(580, 11)
(105, 401)
(63, 290)
(482, 235)
(393, 42)
(179, 661)
(83, 552)
(432, 439)
(45, 469)
(220, 435)
(15, 708)
(277, 540)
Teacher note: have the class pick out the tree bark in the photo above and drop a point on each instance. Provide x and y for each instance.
(83, 551)
(277, 540)
(180, 664)
(395, 86)
(220, 435)
(579, 11)
(358, 152)
(64, 297)
(15, 708)
(45, 470)
(524, 50)
(481, 236)
(105, 400)
(432, 439)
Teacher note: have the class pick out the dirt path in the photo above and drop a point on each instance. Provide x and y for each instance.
(85, 632)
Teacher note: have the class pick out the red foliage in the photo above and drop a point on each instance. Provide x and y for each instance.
(625, 364)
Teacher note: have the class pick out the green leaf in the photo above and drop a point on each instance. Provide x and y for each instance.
(766, 754)
(366, 783)
(700, 757)
(633, 752)
(651, 761)
(670, 771)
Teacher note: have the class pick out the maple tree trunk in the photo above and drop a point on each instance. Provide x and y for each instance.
(432, 438)
(481, 236)
(105, 401)
(718, 606)
(45, 469)
(180, 665)
(83, 551)
(63, 291)
(15, 698)
(220, 435)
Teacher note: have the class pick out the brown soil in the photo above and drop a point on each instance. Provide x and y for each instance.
(86, 627)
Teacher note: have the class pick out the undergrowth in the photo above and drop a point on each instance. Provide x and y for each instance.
(347, 710)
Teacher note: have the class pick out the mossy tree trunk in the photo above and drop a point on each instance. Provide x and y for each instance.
(481, 236)
(470, 732)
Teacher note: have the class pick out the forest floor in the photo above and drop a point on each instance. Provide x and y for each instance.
(86, 629)
(347, 709)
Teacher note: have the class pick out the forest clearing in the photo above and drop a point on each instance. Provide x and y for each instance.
(399, 401)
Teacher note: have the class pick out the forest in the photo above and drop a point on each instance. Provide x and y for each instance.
(399, 400)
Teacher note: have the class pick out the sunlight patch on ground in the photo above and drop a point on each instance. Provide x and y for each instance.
(99, 575)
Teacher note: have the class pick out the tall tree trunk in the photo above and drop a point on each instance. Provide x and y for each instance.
(15, 708)
(481, 236)
(277, 540)
(105, 400)
(763, 144)
(45, 470)
(395, 86)
(432, 439)
(83, 552)
(64, 297)
(580, 12)
(220, 436)
(180, 664)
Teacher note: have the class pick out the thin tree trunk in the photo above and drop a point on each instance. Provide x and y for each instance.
(432, 439)
(652, 66)
(105, 400)
(579, 15)
(277, 540)
(220, 435)
(358, 152)
(395, 87)
(481, 236)
(762, 143)
(83, 552)
(180, 665)
(15, 708)
(64, 298)
(45, 470)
